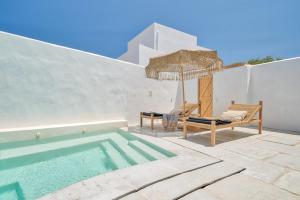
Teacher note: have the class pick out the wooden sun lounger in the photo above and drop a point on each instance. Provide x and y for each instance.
(189, 109)
(252, 111)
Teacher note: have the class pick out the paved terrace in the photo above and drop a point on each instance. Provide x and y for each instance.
(243, 165)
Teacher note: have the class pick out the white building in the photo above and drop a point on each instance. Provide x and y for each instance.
(155, 40)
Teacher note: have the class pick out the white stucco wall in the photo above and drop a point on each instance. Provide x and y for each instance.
(43, 84)
(145, 53)
(191, 92)
(277, 84)
(230, 84)
(130, 56)
(146, 37)
(169, 39)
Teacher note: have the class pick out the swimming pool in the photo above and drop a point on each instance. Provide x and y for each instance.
(33, 168)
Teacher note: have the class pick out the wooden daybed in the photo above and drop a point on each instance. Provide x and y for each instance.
(189, 109)
(250, 118)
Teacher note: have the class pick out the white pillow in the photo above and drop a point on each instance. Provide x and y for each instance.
(234, 115)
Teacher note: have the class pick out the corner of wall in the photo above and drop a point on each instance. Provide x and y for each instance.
(248, 89)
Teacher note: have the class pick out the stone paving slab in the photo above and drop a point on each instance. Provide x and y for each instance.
(242, 187)
(250, 151)
(179, 150)
(140, 177)
(290, 181)
(240, 146)
(281, 140)
(256, 168)
(281, 148)
(137, 196)
(184, 183)
(286, 160)
(200, 195)
(215, 151)
(276, 165)
(285, 134)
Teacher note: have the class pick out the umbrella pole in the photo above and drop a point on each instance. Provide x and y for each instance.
(183, 94)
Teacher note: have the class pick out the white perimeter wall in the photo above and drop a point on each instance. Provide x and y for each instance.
(230, 84)
(43, 84)
(276, 83)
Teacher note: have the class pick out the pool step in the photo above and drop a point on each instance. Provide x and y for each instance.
(137, 151)
(133, 154)
(116, 157)
(44, 147)
(130, 152)
(147, 151)
(11, 191)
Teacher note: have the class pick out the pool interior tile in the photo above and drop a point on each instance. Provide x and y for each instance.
(11, 191)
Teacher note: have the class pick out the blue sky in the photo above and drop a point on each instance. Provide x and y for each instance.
(237, 29)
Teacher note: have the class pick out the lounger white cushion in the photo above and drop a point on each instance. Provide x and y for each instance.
(233, 115)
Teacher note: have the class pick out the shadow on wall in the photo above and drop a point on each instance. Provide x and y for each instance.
(178, 100)
(191, 92)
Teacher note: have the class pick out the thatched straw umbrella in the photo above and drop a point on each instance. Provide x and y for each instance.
(184, 65)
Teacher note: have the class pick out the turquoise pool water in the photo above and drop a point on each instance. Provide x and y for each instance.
(31, 169)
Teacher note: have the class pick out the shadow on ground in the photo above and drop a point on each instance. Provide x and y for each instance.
(158, 131)
(222, 136)
(202, 138)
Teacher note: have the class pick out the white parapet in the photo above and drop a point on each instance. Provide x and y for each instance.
(28, 133)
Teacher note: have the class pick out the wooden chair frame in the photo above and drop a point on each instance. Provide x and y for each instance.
(252, 110)
(189, 109)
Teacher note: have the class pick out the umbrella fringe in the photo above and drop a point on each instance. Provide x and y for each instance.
(187, 75)
(195, 64)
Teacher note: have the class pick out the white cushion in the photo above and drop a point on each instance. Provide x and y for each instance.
(234, 115)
